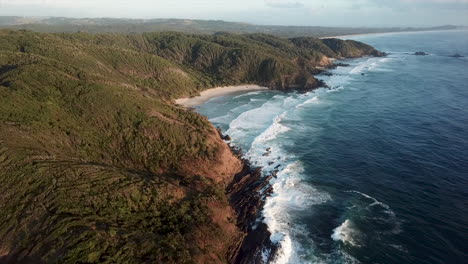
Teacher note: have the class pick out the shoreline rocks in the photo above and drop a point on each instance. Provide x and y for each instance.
(247, 193)
(224, 137)
(456, 55)
(336, 65)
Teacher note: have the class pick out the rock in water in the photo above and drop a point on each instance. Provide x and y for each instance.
(223, 137)
(456, 55)
(420, 53)
(336, 65)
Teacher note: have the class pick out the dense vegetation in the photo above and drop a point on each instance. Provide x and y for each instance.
(96, 162)
(128, 26)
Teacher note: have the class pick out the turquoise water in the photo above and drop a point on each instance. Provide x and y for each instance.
(373, 170)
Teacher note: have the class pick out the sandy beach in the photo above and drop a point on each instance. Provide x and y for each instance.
(216, 92)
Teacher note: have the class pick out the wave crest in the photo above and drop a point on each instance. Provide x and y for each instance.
(346, 233)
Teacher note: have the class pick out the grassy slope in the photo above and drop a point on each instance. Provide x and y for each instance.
(97, 164)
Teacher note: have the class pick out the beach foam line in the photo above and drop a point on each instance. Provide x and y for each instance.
(216, 92)
(312, 100)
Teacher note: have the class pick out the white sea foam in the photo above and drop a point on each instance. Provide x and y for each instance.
(342, 76)
(370, 64)
(337, 81)
(334, 90)
(225, 119)
(246, 94)
(258, 151)
(266, 118)
(265, 255)
(386, 59)
(228, 117)
(346, 233)
(290, 195)
(290, 192)
(250, 122)
(312, 100)
(243, 108)
(358, 69)
(286, 250)
(274, 130)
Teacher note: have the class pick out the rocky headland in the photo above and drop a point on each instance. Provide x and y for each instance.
(98, 163)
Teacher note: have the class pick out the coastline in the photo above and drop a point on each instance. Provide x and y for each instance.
(387, 33)
(216, 92)
(248, 190)
(366, 34)
(247, 193)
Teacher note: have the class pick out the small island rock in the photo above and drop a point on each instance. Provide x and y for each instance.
(420, 53)
(456, 55)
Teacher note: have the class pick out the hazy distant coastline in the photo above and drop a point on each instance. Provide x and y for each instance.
(129, 26)
(391, 33)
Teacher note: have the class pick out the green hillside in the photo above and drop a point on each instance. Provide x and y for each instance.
(97, 164)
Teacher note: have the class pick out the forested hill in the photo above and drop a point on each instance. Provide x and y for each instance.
(96, 162)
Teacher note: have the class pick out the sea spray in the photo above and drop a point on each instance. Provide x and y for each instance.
(346, 233)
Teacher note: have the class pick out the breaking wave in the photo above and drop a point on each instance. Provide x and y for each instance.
(346, 233)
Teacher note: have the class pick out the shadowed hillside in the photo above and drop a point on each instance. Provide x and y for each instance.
(98, 164)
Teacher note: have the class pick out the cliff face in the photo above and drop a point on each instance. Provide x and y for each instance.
(98, 165)
(221, 168)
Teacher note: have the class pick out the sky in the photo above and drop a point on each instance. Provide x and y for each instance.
(369, 13)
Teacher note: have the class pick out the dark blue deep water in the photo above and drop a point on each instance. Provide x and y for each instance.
(374, 170)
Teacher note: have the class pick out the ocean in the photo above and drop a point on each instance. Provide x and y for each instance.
(373, 169)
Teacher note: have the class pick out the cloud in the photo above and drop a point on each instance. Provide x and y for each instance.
(283, 4)
(405, 5)
(435, 1)
(44, 3)
(448, 2)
